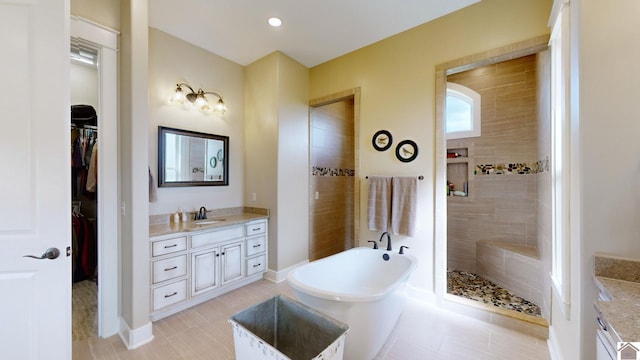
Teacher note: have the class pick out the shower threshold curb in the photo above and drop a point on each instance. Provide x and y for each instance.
(527, 324)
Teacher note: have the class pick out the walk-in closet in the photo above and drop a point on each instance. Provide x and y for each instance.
(84, 184)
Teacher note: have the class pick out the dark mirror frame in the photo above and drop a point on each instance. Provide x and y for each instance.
(161, 158)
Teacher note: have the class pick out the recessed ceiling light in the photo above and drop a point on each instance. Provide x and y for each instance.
(274, 21)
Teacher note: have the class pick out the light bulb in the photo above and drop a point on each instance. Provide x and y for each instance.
(201, 101)
(178, 96)
(220, 106)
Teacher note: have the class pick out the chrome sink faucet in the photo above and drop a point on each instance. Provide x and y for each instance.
(201, 214)
(388, 240)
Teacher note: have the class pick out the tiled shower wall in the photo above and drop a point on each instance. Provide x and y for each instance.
(332, 179)
(502, 207)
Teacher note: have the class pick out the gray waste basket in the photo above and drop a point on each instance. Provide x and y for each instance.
(282, 328)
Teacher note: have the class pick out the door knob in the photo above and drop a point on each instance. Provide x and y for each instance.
(51, 253)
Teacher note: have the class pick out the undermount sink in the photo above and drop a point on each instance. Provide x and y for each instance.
(208, 221)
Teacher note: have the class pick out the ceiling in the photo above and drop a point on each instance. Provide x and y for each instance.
(311, 33)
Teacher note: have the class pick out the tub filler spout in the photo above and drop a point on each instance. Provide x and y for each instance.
(388, 240)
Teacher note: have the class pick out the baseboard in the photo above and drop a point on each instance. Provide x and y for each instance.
(280, 276)
(134, 338)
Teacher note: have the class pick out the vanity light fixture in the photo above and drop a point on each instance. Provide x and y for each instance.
(198, 98)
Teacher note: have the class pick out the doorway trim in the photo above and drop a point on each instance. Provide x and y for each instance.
(335, 97)
(508, 52)
(106, 42)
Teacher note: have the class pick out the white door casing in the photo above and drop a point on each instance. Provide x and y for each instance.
(35, 211)
(106, 41)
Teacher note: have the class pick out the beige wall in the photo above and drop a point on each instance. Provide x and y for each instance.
(277, 153)
(397, 80)
(604, 114)
(261, 143)
(172, 60)
(293, 162)
(84, 85)
(500, 207)
(103, 12)
(134, 179)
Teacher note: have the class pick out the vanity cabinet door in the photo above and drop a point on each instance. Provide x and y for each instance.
(231, 262)
(204, 271)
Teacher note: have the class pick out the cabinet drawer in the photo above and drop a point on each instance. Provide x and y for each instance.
(256, 265)
(256, 228)
(256, 245)
(169, 294)
(169, 268)
(168, 246)
(216, 236)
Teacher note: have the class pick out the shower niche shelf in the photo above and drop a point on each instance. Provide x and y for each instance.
(459, 170)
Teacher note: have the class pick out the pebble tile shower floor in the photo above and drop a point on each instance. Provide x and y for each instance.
(475, 287)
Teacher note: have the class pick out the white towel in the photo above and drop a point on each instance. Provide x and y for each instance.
(379, 204)
(404, 205)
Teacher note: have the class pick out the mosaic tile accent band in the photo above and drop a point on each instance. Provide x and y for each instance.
(538, 167)
(325, 171)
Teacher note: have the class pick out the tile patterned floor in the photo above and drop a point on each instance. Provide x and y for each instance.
(475, 287)
(423, 332)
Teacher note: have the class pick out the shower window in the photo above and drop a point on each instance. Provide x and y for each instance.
(462, 112)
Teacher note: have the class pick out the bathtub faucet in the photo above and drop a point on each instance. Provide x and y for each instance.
(388, 240)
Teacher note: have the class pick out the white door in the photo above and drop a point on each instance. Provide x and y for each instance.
(35, 193)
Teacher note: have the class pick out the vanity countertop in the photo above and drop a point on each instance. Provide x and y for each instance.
(224, 218)
(618, 280)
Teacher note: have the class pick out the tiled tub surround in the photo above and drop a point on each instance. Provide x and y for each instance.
(512, 266)
(619, 305)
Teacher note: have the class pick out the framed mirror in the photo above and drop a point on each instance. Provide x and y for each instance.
(189, 158)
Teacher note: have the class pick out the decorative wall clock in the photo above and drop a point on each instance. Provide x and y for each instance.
(406, 150)
(382, 140)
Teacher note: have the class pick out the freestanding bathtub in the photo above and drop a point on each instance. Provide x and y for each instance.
(359, 288)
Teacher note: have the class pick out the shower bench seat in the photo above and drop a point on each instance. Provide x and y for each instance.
(512, 266)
